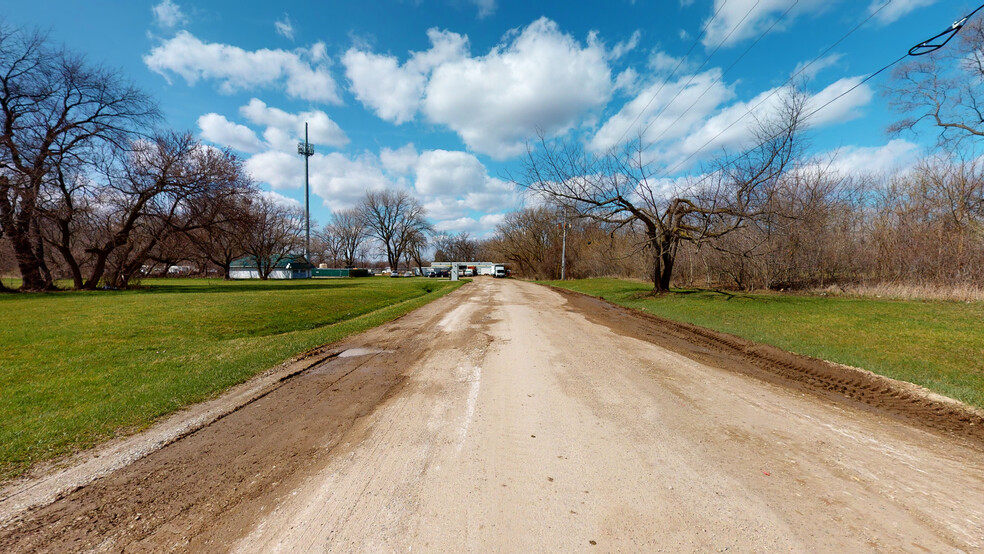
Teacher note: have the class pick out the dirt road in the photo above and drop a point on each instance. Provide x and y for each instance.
(510, 417)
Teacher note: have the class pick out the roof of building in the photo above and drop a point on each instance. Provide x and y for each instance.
(290, 261)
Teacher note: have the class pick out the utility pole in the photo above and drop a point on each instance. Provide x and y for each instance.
(307, 150)
(563, 247)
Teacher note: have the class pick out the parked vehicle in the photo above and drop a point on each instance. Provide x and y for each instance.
(500, 271)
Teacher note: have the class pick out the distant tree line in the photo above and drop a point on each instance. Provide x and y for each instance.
(819, 228)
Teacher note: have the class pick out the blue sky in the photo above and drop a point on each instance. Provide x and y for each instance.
(438, 96)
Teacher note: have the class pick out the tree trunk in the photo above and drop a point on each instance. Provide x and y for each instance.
(665, 254)
(18, 226)
(65, 249)
(97, 271)
(27, 262)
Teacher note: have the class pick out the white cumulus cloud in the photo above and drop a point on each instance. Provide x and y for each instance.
(739, 20)
(301, 72)
(446, 173)
(665, 111)
(536, 78)
(282, 200)
(401, 161)
(734, 126)
(284, 129)
(898, 154)
(216, 128)
(394, 91)
(168, 14)
(454, 182)
(339, 180)
(542, 78)
(479, 228)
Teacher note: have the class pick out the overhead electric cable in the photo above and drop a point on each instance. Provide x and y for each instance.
(679, 63)
(719, 78)
(925, 44)
(696, 72)
(788, 81)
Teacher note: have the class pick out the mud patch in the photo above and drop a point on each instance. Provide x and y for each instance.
(858, 388)
(355, 352)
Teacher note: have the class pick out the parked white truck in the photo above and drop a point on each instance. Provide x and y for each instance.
(500, 271)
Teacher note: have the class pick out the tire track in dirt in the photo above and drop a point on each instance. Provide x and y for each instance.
(858, 388)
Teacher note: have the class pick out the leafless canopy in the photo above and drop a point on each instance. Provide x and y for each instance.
(624, 186)
(944, 88)
(55, 111)
(394, 218)
(348, 230)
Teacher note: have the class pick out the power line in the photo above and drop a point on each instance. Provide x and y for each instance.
(695, 73)
(925, 44)
(788, 81)
(679, 63)
(720, 77)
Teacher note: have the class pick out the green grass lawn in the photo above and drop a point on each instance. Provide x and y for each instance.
(939, 345)
(79, 367)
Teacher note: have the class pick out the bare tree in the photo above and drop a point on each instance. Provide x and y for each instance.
(6, 261)
(326, 247)
(274, 232)
(393, 217)
(621, 188)
(349, 227)
(168, 185)
(222, 241)
(54, 109)
(415, 244)
(455, 247)
(529, 240)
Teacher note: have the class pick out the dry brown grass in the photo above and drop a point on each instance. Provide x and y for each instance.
(954, 293)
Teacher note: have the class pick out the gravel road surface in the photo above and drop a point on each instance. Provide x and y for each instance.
(511, 417)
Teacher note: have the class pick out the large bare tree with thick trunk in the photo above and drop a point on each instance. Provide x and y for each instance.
(55, 109)
(623, 187)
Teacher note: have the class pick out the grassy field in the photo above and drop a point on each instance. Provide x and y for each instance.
(939, 345)
(79, 367)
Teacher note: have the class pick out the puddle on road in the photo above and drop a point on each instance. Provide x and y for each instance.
(353, 352)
